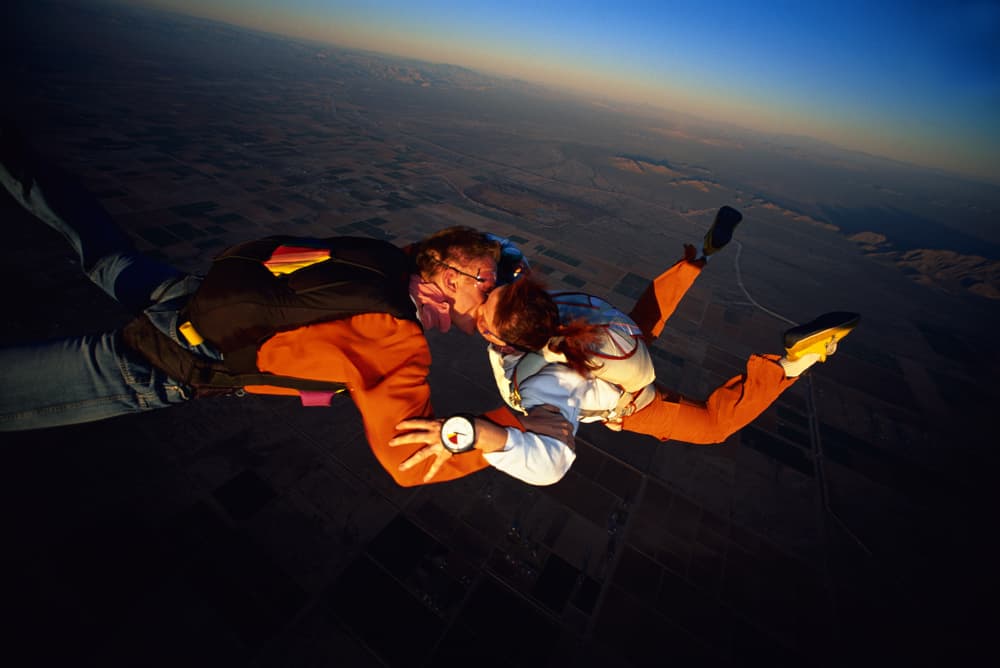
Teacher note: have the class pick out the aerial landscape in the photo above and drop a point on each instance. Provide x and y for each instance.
(850, 524)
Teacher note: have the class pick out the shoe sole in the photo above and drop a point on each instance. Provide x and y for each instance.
(721, 231)
(815, 336)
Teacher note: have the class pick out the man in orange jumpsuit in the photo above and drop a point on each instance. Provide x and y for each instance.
(379, 355)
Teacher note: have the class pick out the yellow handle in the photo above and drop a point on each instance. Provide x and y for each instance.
(191, 334)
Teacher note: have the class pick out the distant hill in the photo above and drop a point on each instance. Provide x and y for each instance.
(942, 269)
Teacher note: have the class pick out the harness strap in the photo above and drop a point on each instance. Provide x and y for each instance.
(527, 366)
(204, 375)
(628, 402)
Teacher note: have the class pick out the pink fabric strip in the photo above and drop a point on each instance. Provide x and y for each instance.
(316, 397)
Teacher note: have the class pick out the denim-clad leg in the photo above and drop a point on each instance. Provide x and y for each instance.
(93, 377)
(106, 254)
(81, 379)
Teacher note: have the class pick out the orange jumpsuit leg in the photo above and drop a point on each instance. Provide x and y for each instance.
(660, 299)
(735, 404)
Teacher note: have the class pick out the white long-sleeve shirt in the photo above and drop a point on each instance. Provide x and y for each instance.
(623, 363)
(535, 458)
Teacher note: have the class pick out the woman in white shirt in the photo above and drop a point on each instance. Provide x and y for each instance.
(580, 356)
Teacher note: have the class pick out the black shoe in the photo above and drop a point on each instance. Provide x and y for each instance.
(819, 336)
(721, 231)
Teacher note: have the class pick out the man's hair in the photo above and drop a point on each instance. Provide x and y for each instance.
(527, 318)
(450, 244)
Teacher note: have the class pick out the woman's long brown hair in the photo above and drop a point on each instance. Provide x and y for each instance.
(528, 319)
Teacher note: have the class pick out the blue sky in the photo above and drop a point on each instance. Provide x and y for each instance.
(915, 81)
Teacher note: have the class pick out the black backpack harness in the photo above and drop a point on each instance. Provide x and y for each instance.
(259, 288)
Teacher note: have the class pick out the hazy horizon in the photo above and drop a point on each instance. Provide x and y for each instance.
(917, 85)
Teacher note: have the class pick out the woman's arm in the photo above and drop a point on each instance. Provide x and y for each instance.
(538, 450)
(539, 455)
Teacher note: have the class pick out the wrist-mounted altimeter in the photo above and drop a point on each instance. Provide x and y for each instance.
(458, 433)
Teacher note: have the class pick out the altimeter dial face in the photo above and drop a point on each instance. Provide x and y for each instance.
(458, 433)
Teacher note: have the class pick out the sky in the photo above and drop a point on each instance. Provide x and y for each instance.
(916, 81)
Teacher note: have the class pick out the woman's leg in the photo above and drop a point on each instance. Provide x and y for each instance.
(660, 299)
(106, 254)
(735, 404)
(81, 379)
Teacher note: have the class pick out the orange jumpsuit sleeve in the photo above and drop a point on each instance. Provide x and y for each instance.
(384, 361)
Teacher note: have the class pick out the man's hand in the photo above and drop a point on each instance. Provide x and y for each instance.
(426, 432)
(548, 421)
(545, 420)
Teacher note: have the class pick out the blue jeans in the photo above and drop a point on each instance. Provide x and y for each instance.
(93, 377)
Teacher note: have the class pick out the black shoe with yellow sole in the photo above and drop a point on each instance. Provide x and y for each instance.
(820, 335)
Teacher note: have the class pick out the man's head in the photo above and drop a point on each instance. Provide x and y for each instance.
(462, 262)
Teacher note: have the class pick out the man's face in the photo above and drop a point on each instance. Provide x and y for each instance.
(467, 283)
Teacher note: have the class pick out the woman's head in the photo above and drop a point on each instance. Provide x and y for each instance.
(523, 315)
